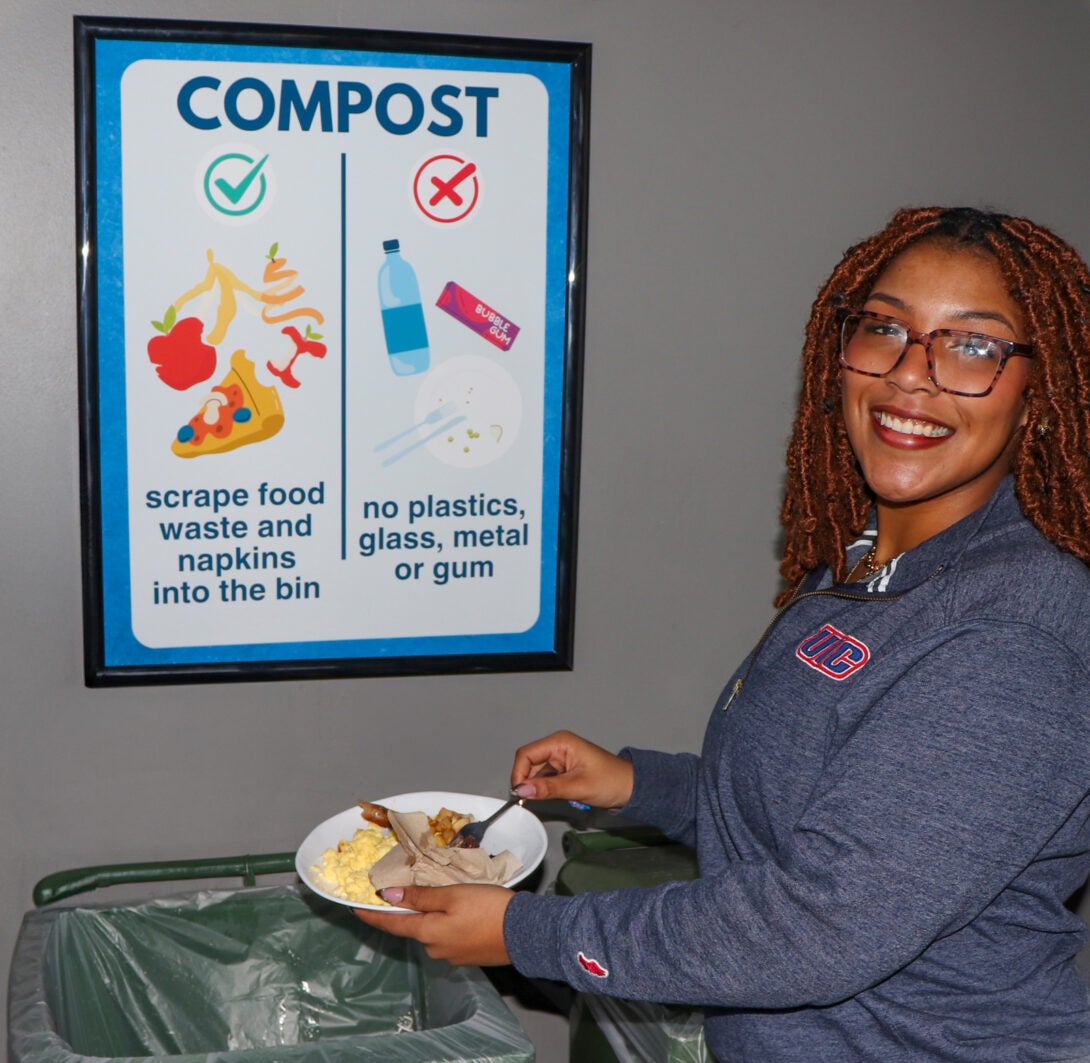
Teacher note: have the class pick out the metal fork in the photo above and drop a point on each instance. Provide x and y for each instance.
(472, 834)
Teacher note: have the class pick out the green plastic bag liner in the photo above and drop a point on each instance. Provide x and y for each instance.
(262, 975)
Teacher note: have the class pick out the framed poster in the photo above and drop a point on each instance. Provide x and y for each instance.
(331, 315)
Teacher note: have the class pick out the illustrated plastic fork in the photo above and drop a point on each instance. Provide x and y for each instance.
(425, 439)
(434, 417)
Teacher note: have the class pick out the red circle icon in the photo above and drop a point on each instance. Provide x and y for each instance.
(446, 188)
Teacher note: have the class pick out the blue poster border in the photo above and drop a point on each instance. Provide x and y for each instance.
(104, 49)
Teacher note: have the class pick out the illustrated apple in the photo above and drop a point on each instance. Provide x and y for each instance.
(179, 355)
(307, 344)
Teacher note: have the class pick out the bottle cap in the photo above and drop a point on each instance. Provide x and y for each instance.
(391, 245)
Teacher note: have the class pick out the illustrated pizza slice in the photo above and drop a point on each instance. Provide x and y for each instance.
(238, 411)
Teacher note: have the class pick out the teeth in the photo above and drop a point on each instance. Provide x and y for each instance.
(912, 428)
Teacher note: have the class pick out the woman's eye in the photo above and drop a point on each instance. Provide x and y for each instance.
(883, 329)
(974, 347)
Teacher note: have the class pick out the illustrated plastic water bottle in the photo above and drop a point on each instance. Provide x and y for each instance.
(402, 313)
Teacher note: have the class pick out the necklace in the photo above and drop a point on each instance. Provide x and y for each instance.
(869, 562)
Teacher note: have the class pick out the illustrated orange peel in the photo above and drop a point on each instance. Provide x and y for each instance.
(278, 292)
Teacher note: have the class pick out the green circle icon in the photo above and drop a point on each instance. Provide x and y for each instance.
(234, 183)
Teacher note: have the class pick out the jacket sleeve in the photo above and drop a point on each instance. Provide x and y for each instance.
(941, 797)
(664, 792)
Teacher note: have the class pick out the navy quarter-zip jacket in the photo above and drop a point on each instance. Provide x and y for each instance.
(888, 816)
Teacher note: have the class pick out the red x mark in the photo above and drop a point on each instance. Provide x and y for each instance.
(446, 189)
(442, 198)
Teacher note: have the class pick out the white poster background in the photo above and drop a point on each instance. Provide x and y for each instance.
(330, 200)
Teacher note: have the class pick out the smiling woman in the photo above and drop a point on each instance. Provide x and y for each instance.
(894, 809)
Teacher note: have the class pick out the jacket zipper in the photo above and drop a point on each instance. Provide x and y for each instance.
(736, 689)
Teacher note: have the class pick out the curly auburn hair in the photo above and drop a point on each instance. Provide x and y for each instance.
(826, 500)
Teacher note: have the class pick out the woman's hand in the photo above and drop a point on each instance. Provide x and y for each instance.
(566, 766)
(459, 924)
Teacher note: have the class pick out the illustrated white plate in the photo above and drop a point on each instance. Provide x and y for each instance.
(486, 396)
(517, 829)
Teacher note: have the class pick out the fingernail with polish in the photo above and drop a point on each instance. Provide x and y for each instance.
(392, 894)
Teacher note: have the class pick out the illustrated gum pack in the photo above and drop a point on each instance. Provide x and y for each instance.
(478, 315)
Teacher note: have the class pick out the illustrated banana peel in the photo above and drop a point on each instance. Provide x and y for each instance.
(239, 410)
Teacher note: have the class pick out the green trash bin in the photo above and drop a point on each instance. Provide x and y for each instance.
(607, 1029)
(266, 974)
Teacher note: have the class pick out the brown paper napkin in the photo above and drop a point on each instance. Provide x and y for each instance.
(420, 861)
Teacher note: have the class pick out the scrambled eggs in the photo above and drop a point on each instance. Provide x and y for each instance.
(346, 869)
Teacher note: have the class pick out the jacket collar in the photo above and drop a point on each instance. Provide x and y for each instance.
(945, 548)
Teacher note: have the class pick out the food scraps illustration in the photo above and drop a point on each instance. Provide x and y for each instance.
(282, 289)
(240, 409)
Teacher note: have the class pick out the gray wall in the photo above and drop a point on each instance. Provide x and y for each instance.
(738, 146)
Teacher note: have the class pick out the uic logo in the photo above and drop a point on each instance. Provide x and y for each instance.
(833, 653)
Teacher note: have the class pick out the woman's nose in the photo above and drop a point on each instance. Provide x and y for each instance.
(913, 371)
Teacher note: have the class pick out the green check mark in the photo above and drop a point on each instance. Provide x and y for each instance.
(235, 192)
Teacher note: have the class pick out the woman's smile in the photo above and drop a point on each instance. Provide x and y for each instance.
(902, 428)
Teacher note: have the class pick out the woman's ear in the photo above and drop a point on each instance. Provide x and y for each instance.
(1027, 406)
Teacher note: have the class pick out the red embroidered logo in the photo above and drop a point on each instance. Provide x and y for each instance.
(592, 966)
(833, 653)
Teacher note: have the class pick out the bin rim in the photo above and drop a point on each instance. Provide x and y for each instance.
(67, 883)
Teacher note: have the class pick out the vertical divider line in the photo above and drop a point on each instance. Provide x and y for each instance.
(344, 361)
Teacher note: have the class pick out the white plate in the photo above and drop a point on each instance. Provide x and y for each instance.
(517, 829)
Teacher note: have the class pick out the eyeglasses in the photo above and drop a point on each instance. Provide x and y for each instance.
(962, 363)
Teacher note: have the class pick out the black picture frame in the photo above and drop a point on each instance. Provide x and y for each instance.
(169, 594)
